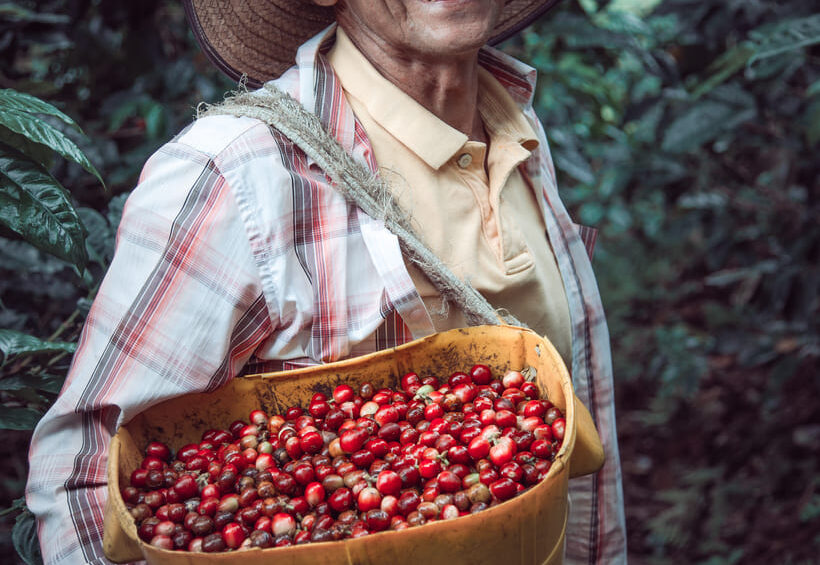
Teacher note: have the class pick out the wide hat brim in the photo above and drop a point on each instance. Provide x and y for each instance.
(259, 38)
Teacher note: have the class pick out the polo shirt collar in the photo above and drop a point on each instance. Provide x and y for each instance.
(434, 141)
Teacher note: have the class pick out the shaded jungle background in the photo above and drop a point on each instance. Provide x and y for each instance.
(687, 131)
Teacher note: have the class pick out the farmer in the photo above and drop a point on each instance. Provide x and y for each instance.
(236, 251)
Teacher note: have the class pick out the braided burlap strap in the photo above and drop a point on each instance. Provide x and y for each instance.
(358, 185)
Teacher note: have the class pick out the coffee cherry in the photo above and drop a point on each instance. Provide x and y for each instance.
(341, 499)
(349, 467)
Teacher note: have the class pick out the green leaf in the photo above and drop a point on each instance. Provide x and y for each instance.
(724, 67)
(589, 6)
(154, 120)
(37, 208)
(622, 22)
(785, 36)
(46, 383)
(696, 126)
(115, 208)
(27, 396)
(574, 164)
(124, 111)
(14, 13)
(24, 537)
(811, 509)
(591, 213)
(20, 101)
(19, 418)
(13, 343)
(37, 152)
(702, 123)
(12, 383)
(100, 241)
(41, 132)
(579, 32)
(640, 8)
(18, 505)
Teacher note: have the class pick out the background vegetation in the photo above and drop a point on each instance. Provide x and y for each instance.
(686, 130)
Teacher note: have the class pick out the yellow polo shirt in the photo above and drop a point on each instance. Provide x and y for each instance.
(482, 221)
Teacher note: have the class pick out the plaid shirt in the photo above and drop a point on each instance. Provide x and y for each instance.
(234, 253)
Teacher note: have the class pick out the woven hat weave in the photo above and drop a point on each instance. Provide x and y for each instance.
(259, 38)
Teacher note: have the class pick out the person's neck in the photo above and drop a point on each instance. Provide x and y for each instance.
(448, 89)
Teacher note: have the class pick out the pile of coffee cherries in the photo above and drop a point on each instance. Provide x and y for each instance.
(361, 462)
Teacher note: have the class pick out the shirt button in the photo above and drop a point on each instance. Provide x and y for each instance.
(464, 160)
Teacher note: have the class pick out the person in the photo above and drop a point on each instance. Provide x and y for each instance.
(235, 252)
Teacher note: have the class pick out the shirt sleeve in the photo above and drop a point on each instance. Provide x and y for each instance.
(179, 311)
(596, 525)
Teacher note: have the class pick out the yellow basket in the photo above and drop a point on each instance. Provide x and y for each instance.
(525, 530)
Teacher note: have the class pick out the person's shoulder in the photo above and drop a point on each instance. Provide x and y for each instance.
(211, 147)
(213, 135)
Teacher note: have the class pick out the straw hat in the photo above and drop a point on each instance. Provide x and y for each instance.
(260, 37)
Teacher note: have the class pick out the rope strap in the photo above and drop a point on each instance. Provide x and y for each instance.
(360, 186)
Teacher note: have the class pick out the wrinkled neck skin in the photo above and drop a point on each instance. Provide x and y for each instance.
(447, 87)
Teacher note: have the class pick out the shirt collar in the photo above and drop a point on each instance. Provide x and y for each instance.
(501, 115)
(415, 126)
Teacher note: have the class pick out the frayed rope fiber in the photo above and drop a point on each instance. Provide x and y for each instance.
(358, 185)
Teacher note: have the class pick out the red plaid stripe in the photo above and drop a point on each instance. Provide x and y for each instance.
(589, 236)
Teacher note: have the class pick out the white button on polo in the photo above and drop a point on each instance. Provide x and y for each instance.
(464, 160)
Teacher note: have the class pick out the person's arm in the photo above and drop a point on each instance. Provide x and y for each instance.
(179, 311)
(596, 526)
